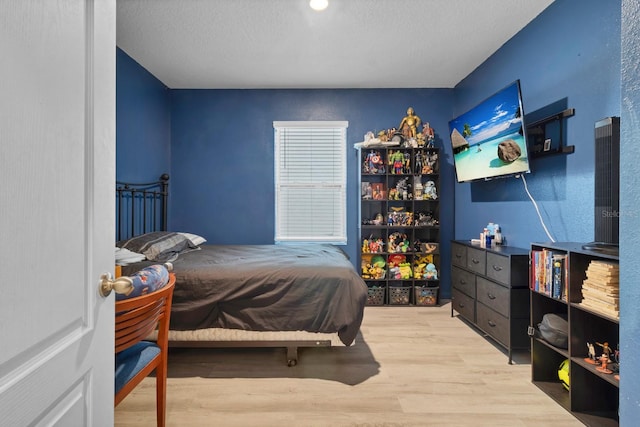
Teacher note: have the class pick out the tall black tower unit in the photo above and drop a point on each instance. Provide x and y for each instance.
(607, 186)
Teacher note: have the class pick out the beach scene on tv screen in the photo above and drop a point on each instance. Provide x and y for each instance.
(488, 141)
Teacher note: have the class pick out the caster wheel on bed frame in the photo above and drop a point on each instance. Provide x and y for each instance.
(292, 356)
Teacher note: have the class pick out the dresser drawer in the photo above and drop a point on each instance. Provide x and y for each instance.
(493, 324)
(498, 268)
(476, 260)
(464, 281)
(493, 295)
(458, 255)
(463, 304)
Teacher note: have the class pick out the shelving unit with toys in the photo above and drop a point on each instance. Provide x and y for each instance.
(399, 218)
(589, 300)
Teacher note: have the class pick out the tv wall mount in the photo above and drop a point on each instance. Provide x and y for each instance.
(541, 140)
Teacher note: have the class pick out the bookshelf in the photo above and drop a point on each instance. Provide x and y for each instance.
(400, 224)
(584, 289)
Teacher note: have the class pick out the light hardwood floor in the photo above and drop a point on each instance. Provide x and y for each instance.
(410, 366)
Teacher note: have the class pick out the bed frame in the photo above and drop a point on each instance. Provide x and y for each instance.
(142, 208)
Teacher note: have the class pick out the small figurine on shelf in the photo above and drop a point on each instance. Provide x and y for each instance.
(605, 359)
(405, 271)
(407, 163)
(377, 191)
(418, 270)
(409, 124)
(428, 134)
(431, 272)
(418, 189)
(390, 133)
(398, 243)
(367, 191)
(373, 163)
(429, 191)
(591, 351)
(418, 162)
(394, 262)
(376, 245)
(365, 246)
(606, 350)
(420, 265)
(378, 220)
(402, 190)
(430, 161)
(398, 162)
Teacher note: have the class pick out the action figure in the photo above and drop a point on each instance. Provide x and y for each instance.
(605, 359)
(409, 124)
(592, 354)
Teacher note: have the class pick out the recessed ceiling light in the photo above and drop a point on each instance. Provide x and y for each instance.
(319, 4)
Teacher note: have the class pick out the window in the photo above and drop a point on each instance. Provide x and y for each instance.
(311, 181)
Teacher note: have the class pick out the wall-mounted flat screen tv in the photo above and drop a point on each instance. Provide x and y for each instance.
(489, 141)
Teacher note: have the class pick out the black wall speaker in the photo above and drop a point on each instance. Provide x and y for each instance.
(607, 186)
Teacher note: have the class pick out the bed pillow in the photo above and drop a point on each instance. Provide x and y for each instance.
(195, 239)
(159, 246)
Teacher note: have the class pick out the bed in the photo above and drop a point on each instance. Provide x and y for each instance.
(288, 296)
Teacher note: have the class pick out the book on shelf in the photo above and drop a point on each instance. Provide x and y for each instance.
(549, 273)
(601, 288)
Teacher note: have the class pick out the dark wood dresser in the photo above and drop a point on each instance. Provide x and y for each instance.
(490, 290)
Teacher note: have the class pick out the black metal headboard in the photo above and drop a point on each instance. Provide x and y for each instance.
(141, 208)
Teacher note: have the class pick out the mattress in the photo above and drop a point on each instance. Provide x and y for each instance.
(267, 288)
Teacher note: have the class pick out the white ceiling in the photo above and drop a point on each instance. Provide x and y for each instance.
(250, 44)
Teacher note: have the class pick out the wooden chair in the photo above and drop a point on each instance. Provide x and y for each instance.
(136, 357)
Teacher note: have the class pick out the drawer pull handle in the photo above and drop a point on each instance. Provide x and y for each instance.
(497, 268)
(491, 296)
(463, 282)
(475, 261)
(458, 255)
(461, 305)
(491, 323)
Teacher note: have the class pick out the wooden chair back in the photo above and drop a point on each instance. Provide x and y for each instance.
(135, 320)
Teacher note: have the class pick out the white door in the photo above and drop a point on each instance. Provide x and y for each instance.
(57, 175)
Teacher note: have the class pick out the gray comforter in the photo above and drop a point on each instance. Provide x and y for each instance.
(310, 288)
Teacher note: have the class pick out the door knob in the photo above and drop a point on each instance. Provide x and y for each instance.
(121, 285)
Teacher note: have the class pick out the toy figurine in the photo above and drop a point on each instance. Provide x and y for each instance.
(365, 246)
(405, 271)
(407, 163)
(605, 359)
(402, 190)
(431, 272)
(429, 191)
(378, 220)
(606, 350)
(428, 133)
(592, 354)
(418, 162)
(409, 124)
(395, 161)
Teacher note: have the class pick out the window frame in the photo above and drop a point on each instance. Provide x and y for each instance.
(339, 183)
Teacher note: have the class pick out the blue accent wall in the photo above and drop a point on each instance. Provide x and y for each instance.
(630, 216)
(223, 164)
(143, 112)
(568, 56)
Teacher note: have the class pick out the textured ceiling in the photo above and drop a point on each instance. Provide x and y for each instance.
(248, 44)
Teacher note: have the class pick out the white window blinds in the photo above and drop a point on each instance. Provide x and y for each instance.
(311, 181)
